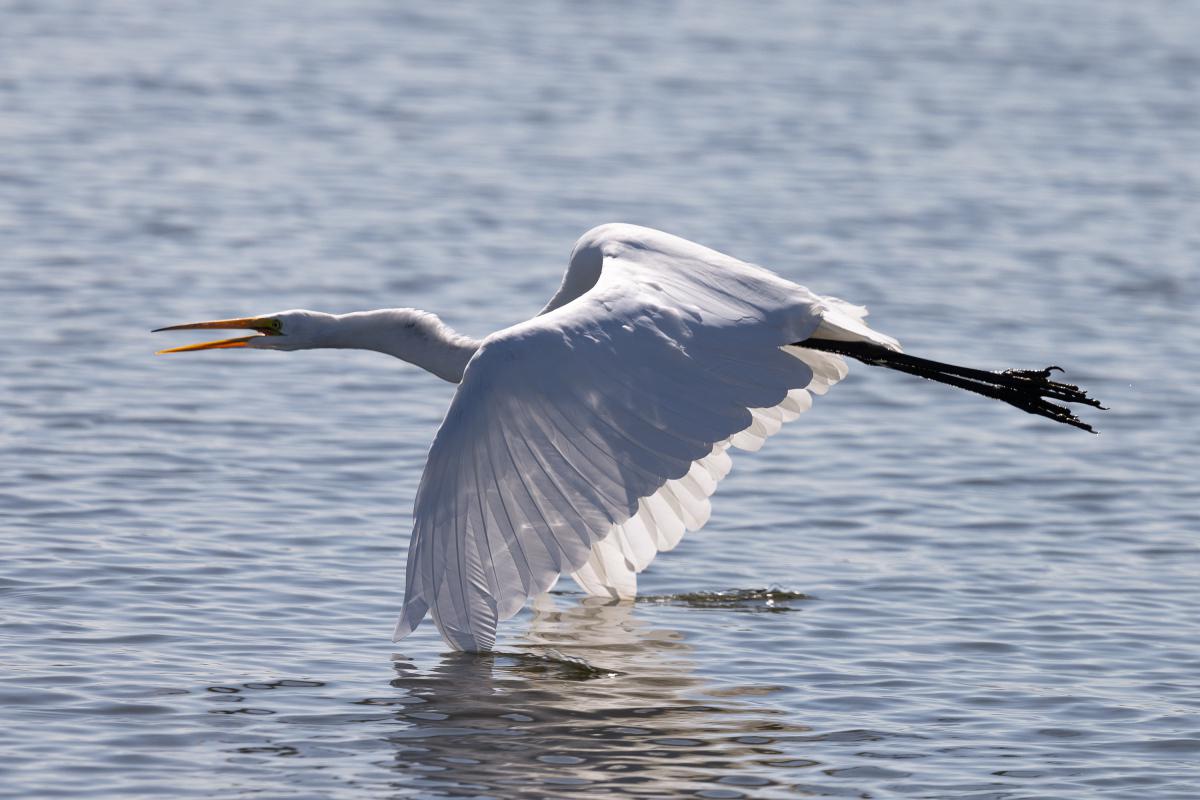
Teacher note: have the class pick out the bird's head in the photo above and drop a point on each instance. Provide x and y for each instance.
(285, 330)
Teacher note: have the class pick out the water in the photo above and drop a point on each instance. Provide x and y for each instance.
(203, 554)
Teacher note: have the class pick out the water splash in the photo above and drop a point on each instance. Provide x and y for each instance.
(770, 600)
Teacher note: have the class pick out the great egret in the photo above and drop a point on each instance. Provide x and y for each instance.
(589, 438)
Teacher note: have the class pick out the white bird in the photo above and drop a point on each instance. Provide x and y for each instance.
(588, 439)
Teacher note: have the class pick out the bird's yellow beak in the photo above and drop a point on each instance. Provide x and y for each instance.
(265, 326)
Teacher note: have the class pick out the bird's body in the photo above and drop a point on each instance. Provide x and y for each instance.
(589, 438)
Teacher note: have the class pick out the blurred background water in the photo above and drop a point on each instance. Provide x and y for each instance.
(201, 556)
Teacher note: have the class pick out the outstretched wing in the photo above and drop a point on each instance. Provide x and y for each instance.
(587, 439)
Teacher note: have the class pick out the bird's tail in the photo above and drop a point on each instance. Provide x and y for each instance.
(1027, 389)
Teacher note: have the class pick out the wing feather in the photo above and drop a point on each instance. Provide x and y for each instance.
(592, 437)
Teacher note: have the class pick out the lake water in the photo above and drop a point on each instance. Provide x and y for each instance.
(911, 592)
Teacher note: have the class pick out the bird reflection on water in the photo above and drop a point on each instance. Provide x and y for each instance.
(599, 702)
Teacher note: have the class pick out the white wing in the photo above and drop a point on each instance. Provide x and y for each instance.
(589, 438)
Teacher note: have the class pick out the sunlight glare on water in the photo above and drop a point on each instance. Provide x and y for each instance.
(907, 593)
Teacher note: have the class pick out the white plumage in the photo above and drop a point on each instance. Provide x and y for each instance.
(589, 439)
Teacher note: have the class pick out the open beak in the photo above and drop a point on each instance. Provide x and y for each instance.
(264, 326)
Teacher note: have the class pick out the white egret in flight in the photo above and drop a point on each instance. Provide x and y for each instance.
(589, 438)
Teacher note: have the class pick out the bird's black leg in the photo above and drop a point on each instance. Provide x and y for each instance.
(1028, 389)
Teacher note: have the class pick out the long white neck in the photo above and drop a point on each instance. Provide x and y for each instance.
(417, 337)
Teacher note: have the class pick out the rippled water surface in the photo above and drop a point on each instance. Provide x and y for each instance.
(908, 593)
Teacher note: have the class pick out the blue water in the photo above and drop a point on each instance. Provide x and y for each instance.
(202, 555)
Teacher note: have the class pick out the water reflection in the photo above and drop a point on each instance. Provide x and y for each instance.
(598, 701)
